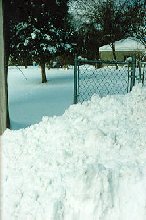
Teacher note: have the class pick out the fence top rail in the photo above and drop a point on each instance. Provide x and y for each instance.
(102, 61)
(143, 62)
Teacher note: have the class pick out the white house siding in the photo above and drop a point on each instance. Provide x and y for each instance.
(124, 48)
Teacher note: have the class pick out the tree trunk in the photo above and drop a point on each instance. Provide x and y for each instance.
(3, 96)
(43, 72)
(25, 63)
(113, 50)
(114, 53)
(97, 57)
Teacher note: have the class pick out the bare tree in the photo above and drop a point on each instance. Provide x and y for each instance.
(139, 30)
(112, 19)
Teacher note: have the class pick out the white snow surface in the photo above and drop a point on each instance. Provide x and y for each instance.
(88, 164)
(30, 100)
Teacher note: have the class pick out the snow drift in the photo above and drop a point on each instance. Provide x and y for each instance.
(88, 164)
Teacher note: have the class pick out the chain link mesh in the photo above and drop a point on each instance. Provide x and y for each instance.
(107, 80)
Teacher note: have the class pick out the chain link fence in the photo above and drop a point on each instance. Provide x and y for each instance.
(105, 77)
(141, 69)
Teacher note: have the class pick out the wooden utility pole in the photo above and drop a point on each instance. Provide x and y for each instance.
(3, 96)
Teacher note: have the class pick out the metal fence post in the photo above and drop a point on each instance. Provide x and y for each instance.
(133, 67)
(75, 79)
(139, 68)
(143, 72)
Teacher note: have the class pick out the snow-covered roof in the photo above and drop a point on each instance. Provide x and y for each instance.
(128, 44)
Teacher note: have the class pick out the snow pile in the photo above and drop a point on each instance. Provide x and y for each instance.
(88, 164)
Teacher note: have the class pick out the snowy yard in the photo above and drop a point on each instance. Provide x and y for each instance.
(30, 100)
(86, 164)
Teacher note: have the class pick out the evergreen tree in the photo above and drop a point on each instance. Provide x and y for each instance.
(39, 35)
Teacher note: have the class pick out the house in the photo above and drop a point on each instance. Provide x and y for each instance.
(124, 48)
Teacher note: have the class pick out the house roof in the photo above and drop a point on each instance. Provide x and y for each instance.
(128, 44)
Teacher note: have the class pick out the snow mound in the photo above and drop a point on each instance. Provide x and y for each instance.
(88, 164)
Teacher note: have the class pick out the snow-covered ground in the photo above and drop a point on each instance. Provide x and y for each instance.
(30, 100)
(88, 164)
